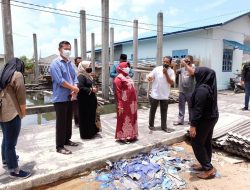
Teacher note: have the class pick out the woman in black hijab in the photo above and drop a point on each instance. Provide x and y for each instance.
(204, 116)
(12, 110)
(8, 71)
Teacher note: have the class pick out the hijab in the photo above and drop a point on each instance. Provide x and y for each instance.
(83, 65)
(206, 77)
(8, 71)
(120, 68)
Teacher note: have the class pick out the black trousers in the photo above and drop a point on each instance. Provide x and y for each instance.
(76, 111)
(202, 143)
(63, 123)
(164, 109)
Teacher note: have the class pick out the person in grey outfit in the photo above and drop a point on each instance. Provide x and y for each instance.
(186, 87)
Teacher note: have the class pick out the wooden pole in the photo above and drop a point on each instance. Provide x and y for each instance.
(36, 59)
(83, 34)
(93, 51)
(105, 49)
(159, 38)
(7, 30)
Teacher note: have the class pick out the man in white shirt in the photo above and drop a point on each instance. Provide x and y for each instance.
(162, 77)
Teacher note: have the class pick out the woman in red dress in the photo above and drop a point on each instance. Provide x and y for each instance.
(126, 127)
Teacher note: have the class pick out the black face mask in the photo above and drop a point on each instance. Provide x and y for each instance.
(89, 70)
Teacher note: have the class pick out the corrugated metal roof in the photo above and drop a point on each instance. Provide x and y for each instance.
(234, 137)
(189, 27)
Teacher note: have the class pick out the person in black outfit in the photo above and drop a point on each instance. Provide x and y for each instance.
(87, 101)
(204, 116)
(245, 81)
(75, 102)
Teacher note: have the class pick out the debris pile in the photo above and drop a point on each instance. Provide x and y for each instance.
(154, 170)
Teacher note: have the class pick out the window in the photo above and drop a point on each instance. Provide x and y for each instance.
(227, 60)
(179, 53)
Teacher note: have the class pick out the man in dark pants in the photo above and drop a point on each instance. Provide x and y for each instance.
(75, 102)
(186, 87)
(64, 88)
(245, 81)
(162, 77)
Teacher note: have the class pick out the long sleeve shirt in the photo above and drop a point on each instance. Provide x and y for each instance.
(61, 72)
(202, 108)
(12, 97)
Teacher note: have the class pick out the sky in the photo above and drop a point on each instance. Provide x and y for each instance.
(52, 28)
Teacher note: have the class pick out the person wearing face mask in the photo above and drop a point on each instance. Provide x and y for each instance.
(162, 77)
(64, 81)
(186, 87)
(204, 116)
(87, 101)
(114, 73)
(75, 102)
(126, 126)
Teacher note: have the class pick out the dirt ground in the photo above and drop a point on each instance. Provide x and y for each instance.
(233, 174)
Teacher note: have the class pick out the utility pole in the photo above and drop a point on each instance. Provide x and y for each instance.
(76, 47)
(83, 34)
(36, 58)
(159, 38)
(93, 51)
(135, 50)
(105, 49)
(112, 50)
(7, 30)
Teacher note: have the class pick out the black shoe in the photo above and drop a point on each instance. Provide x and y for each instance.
(63, 151)
(244, 109)
(20, 174)
(70, 143)
(151, 128)
(178, 123)
(167, 130)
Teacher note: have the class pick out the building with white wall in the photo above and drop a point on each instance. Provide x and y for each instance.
(219, 46)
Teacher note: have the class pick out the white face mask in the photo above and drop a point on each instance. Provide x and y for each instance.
(126, 70)
(66, 53)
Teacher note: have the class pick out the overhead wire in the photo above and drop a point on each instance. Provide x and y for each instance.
(63, 14)
(74, 12)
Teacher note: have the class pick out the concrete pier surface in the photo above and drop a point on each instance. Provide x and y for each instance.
(36, 144)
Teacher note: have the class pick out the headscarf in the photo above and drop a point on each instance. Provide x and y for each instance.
(120, 68)
(8, 71)
(82, 69)
(206, 77)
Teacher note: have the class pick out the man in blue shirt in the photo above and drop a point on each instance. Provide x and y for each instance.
(64, 88)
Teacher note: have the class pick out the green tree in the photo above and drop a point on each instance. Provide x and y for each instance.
(27, 62)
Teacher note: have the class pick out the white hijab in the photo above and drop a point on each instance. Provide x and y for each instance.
(82, 69)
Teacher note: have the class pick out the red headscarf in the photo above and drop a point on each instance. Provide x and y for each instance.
(120, 68)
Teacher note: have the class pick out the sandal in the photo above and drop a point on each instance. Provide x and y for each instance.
(197, 167)
(207, 174)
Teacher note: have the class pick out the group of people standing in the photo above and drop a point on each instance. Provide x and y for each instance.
(74, 91)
